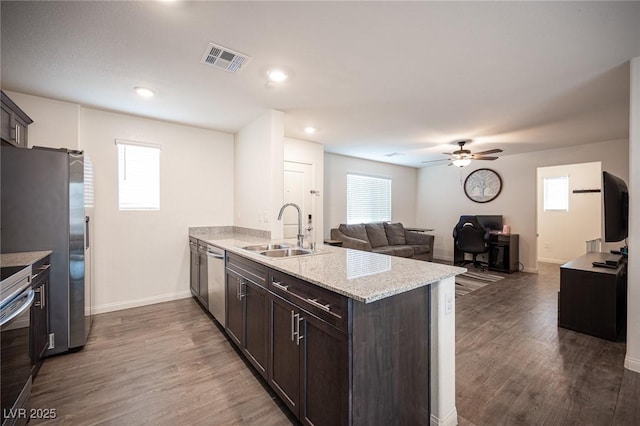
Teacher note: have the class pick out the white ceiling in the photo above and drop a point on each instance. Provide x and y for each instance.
(374, 78)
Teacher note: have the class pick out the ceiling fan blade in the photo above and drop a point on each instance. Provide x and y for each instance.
(491, 151)
(448, 153)
(485, 158)
(433, 161)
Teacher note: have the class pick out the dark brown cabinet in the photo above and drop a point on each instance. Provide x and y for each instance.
(309, 365)
(593, 300)
(39, 314)
(14, 123)
(247, 319)
(332, 360)
(198, 271)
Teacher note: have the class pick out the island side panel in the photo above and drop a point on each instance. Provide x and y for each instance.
(390, 349)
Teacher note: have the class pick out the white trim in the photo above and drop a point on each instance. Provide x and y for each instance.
(451, 419)
(632, 364)
(138, 143)
(557, 261)
(118, 306)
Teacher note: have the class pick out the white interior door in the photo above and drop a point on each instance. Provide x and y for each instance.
(298, 181)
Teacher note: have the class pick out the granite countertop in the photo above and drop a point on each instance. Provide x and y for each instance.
(23, 258)
(360, 275)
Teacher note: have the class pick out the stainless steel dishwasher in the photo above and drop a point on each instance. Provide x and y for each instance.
(215, 281)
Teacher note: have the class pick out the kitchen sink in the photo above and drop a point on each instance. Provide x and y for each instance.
(288, 252)
(266, 247)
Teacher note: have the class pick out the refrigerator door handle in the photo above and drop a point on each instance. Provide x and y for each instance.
(86, 231)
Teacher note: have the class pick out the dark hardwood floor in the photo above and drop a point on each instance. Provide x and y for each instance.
(163, 364)
(514, 366)
(169, 364)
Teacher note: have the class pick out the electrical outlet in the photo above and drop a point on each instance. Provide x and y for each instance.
(449, 300)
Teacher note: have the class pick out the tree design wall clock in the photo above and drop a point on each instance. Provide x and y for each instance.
(482, 185)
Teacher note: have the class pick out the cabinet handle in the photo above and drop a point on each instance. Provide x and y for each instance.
(38, 303)
(315, 303)
(293, 326)
(280, 286)
(17, 133)
(300, 336)
(241, 294)
(43, 295)
(40, 270)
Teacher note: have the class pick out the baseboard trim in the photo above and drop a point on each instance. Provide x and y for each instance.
(531, 271)
(118, 306)
(632, 364)
(451, 419)
(557, 261)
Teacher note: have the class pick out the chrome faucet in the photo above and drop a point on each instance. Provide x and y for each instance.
(300, 235)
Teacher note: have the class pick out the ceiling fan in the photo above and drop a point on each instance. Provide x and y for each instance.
(462, 157)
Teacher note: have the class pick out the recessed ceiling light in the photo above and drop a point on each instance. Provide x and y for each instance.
(309, 130)
(144, 92)
(277, 75)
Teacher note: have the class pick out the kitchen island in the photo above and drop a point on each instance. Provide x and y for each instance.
(370, 337)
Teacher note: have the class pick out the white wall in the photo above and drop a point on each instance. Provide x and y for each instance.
(441, 200)
(632, 360)
(143, 257)
(299, 151)
(55, 123)
(403, 190)
(258, 176)
(583, 220)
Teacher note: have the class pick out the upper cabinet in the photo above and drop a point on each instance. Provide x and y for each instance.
(14, 123)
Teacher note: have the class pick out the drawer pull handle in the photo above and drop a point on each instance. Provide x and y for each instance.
(314, 302)
(280, 286)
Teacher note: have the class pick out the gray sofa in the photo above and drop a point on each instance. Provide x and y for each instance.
(385, 238)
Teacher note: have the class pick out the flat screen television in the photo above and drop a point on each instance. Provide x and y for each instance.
(616, 208)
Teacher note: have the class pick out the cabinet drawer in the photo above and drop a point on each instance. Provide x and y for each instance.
(325, 304)
(248, 269)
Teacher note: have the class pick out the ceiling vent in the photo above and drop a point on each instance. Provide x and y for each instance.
(223, 58)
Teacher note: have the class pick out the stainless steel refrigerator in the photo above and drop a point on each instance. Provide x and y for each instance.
(46, 205)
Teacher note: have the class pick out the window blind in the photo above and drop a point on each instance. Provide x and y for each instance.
(368, 199)
(138, 176)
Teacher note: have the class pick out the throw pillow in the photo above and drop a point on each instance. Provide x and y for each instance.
(354, 231)
(395, 233)
(376, 234)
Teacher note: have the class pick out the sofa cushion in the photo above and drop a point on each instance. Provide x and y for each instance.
(376, 234)
(402, 251)
(420, 248)
(395, 234)
(354, 231)
(384, 250)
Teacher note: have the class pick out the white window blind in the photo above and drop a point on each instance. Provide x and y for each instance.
(138, 176)
(368, 199)
(556, 193)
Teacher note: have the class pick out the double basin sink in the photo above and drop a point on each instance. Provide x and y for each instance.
(277, 250)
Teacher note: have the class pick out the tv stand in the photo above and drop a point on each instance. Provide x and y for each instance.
(592, 299)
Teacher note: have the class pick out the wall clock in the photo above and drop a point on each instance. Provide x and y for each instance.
(482, 185)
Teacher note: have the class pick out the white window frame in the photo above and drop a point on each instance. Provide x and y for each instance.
(138, 176)
(363, 192)
(556, 193)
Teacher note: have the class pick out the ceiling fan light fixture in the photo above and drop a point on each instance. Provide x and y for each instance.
(461, 162)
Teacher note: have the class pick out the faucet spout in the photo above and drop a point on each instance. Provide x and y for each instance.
(300, 235)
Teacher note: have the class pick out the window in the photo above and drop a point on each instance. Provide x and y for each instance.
(368, 199)
(138, 176)
(556, 193)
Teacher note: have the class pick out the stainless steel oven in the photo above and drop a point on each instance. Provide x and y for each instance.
(16, 298)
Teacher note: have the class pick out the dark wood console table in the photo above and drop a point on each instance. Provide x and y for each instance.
(593, 300)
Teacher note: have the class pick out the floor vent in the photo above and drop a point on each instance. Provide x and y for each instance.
(224, 58)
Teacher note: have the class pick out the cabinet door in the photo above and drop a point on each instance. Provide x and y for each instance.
(6, 125)
(284, 374)
(40, 325)
(325, 373)
(235, 309)
(256, 342)
(203, 286)
(194, 270)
